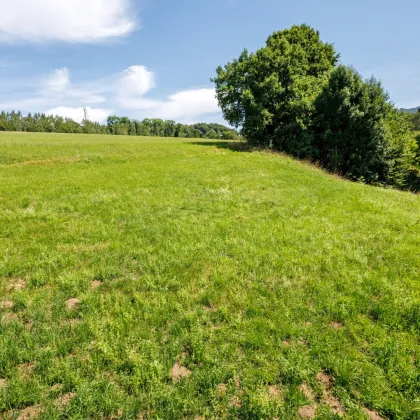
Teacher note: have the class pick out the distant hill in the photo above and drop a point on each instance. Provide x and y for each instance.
(411, 110)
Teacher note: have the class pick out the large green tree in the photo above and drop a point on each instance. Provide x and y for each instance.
(358, 133)
(270, 94)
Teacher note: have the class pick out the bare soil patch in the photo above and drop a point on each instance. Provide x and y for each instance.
(372, 415)
(307, 392)
(307, 412)
(95, 284)
(16, 284)
(221, 390)
(64, 400)
(29, 413)
(235, 402)
(6, 304)
(72, 303)
(179, 372)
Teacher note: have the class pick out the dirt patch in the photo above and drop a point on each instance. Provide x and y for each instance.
(26, 369)
(286, 343)
(325, 380)
(16, 284)
(307, 412)
(336, 325)
(179, 372)
(9, 317)
(64, 400)
(274, 391)
(334, 404)
(221, 390)
(72, 303)
(237, 381)
(372, 415)
(3, 383)
(307, 392)
(235, 402)
(6, 304)
(95, 284)
(29, 413)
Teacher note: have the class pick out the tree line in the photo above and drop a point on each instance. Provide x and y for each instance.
(294, 96)
(39, 122)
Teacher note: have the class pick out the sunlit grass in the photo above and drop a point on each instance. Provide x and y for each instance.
(268, 287)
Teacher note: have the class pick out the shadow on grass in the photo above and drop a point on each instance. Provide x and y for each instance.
(236, 146)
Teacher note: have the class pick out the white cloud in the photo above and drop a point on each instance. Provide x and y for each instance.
(59, 80)
(126, 92)
(132, 85)
(137, 80)
(84, 21)
(189, 104)
(77, 114)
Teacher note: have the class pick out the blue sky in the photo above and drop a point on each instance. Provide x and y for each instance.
(155, 58)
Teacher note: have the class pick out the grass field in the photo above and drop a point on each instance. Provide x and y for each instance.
(161, 278)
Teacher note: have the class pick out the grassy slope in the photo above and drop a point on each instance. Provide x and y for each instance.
(249, 269)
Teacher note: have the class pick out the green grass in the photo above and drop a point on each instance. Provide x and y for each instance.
(250, 270)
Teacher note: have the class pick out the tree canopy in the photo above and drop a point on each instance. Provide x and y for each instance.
(270, 94)
(292, 96)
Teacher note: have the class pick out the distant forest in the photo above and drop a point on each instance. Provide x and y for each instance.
(16, 121)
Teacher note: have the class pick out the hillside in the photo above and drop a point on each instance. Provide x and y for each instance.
(166, 278)
(410, 110)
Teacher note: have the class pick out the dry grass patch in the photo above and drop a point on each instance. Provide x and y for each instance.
(95, 284)
(307, 412)
(64, 400)
(30, 413)
(221, 390)
(307, 392)
(372, 415)
(16, 284)
(3, 383)
(326, 382)
(179, 372)
(72, 303)
(6, 304)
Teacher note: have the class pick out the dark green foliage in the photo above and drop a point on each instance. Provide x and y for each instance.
(415, 117)
(359, 134)
(291, 97)
(15, 121)
(161, 128)
(349, 132)
(270, 94)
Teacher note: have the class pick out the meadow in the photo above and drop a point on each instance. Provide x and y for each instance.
(167, 278)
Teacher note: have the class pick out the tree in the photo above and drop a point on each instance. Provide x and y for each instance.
(416, 120)
(359, 134)
(270, 94)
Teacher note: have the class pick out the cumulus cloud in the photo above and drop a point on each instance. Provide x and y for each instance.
(64, 20)
(189, 104)
(126, 92)
(78, 113)
(137, 80)
(133, 83)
